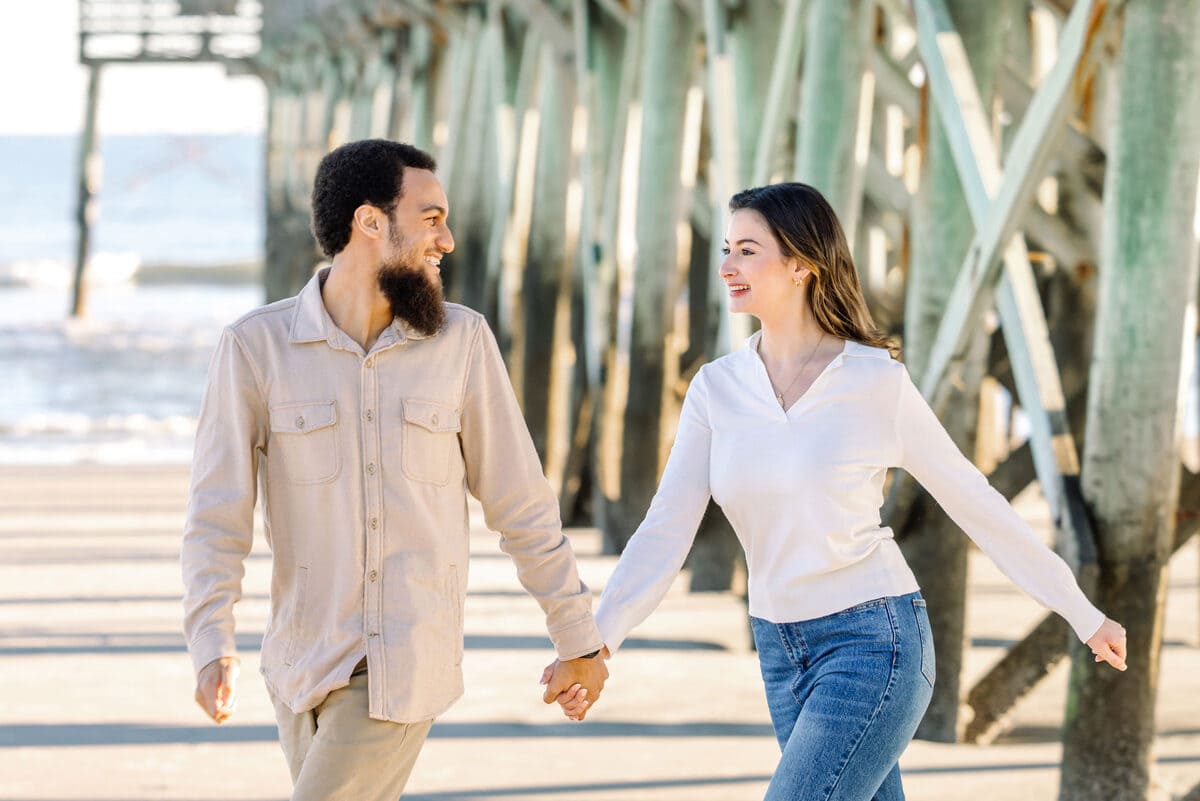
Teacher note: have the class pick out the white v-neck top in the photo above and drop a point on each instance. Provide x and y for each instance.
(803, 491)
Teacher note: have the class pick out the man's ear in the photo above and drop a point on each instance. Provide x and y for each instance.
(369, 220)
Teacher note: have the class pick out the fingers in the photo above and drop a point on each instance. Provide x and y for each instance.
(571, 695)
(1108, 644)
(216, 689)
(575, 702)
(226, 696)
(547, 673)
(1104, 653)
(554, 685)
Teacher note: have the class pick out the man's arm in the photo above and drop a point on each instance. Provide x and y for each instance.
(219, 530)
(504, 473)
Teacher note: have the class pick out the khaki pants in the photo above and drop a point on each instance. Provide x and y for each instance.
(337, 753)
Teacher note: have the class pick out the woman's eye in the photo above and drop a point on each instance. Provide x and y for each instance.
(746, 252)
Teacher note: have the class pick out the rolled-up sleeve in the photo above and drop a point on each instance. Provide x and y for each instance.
(219, 528)
(504, 473)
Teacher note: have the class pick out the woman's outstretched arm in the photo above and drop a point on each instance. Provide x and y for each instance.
(930, 455)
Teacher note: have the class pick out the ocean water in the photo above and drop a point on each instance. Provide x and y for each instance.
(188, 200)
(121, 386)
(124, 384)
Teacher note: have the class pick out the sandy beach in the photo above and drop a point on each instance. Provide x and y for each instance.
(97, 684)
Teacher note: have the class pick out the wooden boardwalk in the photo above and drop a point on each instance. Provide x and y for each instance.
(97, 686)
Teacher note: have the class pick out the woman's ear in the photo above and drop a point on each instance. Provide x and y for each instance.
(800, 272)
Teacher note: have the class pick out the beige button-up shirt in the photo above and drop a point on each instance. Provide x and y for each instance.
(364, 461)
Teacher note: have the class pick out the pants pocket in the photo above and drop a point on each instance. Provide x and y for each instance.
(928, 662)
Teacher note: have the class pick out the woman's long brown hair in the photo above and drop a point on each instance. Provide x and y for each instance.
(806, 228)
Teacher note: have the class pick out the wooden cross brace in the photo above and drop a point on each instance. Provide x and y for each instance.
(997, 262)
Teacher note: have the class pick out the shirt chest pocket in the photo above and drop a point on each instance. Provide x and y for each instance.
(429, 444)
(304, 437)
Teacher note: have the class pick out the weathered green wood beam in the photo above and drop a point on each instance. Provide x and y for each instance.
(723, 164)
(965, 120)
(865, 110)
(893, 85)
(383, 100)
(517, 221)
(616, 11)
(623, 131)
(509, 110)
(1145, 317)
(1077, 149)
(780, 88)
(996, 203)
(596, 40)
(830, 100)
(455, 93)
(553, 28)
(585, 390)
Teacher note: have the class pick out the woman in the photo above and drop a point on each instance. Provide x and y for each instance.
(792, 436)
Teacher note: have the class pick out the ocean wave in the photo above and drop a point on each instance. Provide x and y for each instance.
(103, 269)
(43, 424)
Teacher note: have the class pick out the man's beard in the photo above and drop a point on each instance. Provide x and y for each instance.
(414, 297)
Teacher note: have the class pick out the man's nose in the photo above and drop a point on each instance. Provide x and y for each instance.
(445, 242)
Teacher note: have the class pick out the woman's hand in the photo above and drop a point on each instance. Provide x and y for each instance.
(1108, 644)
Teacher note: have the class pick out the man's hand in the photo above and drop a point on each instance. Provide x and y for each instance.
(216, 688)
(572, 690)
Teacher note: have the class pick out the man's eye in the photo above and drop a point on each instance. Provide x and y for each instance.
(725, 251)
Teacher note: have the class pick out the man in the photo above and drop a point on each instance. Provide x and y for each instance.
(366, 407)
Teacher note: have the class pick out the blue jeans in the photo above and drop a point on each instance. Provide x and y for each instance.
(846, 692)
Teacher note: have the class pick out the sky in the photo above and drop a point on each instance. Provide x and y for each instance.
(42, 84)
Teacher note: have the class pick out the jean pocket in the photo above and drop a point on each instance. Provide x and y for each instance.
(928, 662)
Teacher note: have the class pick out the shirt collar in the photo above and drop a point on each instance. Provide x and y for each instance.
(852, 348)
(311, 321)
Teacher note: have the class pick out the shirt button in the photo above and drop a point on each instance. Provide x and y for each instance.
(371, 469)
(373, 634)
(374, 574)
(374, 523)
(370, 363)
(299, 422)
(370, 415)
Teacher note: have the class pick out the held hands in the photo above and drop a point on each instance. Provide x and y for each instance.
(1108, 644)
(216, 688)
(576, 683)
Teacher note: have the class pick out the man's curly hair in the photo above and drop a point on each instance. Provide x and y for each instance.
(370, 171)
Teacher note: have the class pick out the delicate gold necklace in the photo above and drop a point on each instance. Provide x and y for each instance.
(779, 395)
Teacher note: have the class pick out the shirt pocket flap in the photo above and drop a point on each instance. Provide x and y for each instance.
(432, 416)
(301, 418)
